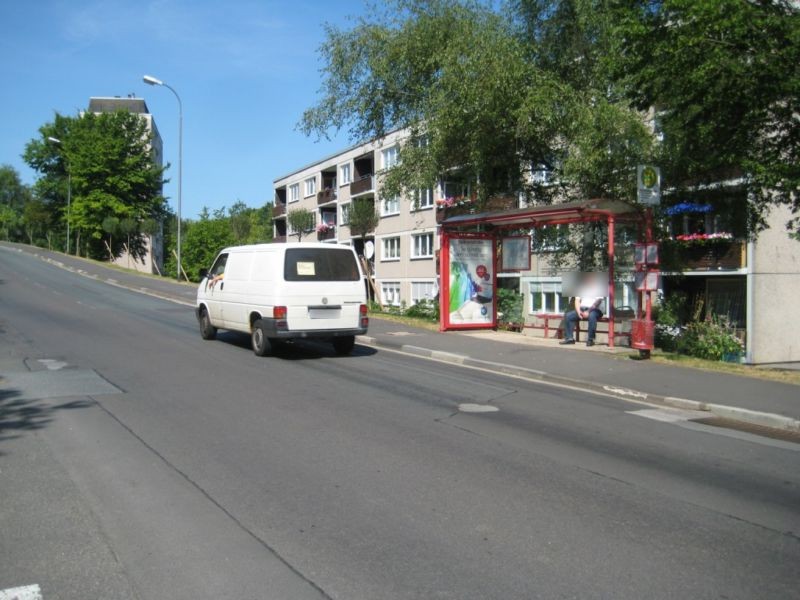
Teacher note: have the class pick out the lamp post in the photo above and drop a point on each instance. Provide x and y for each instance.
(150, 80)
(69, 186)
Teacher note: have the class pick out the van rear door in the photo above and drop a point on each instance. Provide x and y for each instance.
(324, 288)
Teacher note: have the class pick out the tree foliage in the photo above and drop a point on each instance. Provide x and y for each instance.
(362, 218)
(301, 222)
(582, 89)
(108, 161)
(14, 195)
(205, 237)
(482, 104)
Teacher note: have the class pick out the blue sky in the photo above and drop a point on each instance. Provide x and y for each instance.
(245, 71)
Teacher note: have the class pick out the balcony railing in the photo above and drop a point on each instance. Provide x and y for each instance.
(721, 258)
(363, 185)
(278, 209)
(329, 234)
(326, 195)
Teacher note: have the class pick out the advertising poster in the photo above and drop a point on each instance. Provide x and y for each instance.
(471, 301)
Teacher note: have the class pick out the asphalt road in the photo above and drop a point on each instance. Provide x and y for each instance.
(139, 461)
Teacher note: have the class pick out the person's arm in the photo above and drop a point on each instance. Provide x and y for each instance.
(578, 307)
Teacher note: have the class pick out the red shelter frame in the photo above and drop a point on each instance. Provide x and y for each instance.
(493, 225)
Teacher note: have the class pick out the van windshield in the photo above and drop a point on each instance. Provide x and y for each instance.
(320, 264)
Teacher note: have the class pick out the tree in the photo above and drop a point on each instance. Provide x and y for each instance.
(301, 221)
(725, 77)
(481, 104)
(203, 239)
(112, 172)
(363, 218)
(14, 195)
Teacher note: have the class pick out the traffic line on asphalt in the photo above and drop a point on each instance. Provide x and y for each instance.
(26, 592)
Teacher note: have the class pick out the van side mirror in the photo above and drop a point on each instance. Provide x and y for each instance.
(203, 273)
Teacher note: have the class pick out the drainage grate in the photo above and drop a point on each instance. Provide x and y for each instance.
(768, 432)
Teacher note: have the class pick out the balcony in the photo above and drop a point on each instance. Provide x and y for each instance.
(325, 196)
(722, 255)
(328, 234)
(278, 209)
(363, 185)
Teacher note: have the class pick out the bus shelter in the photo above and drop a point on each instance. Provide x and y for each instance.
(468, 258)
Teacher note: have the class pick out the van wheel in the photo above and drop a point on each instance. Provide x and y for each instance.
(207, 330)
(344, 345)
(259, 339)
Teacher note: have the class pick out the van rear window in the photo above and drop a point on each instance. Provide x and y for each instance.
(320, 264)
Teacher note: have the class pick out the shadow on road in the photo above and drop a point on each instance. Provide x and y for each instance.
(296, 349)
(18, 415)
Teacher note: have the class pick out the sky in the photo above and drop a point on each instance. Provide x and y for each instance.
(245, 72)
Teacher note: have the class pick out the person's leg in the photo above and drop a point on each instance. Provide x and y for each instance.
(569, 325)
(593, 316)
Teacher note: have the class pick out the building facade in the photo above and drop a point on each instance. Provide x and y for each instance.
(152, 260)
(400, 253)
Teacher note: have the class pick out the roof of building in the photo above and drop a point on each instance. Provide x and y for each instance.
(115, 103)
(334, 155)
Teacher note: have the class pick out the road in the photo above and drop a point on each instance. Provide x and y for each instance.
(139, 461)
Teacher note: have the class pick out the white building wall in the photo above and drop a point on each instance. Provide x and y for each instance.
(775, 293)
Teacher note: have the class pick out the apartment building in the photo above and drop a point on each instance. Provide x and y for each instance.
(401, 252)
(152, 261)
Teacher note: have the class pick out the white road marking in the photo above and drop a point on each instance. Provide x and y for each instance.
(669, 415)
(26, 592)
(477, 408)
(52, 364)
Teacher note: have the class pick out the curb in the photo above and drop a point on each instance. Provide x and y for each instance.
(745, 415)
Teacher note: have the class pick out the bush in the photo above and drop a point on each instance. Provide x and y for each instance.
(509, 306)
(424, 309)
(712, 340)
(669, 317)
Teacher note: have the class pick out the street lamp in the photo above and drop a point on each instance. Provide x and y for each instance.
(150, 80)
(69, 185)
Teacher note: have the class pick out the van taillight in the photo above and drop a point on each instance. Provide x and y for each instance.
(364, 319)
(279, 312)
(363, 310)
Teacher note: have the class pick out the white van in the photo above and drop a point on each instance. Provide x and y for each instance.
(278, 292)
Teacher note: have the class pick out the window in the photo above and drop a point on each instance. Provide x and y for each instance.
(219, 266)
(320, 264)
(390, 292)
(345, 208)
(344, 174)
(455, 189)
(294, 192)
(311, 186)
(389, 157)
(390, 206)
(546, 297)
(423, 199)
(422, 290)
(422, 246)
(391, 248)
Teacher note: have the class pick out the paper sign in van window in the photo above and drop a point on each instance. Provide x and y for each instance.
(306, 269)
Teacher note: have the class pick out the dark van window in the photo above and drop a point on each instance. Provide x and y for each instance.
(320, 264)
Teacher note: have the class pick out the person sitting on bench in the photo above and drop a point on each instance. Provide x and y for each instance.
(585, 308)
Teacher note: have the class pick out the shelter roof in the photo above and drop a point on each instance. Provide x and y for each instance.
(565, 212)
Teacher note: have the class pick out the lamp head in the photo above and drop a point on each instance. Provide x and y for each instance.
(150, 80)
(53, 139)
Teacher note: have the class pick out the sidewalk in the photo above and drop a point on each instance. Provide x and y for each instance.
(599, 369)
